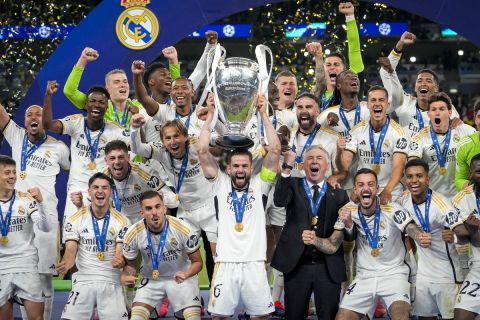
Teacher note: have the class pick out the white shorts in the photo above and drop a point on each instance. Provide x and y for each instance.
(203, 218)
(468, 297)
(433, 298)
(24, 285)
(85, 295)
(240, 281)
(47, 244)
(276, 216)
(181, 295)
(362, 294)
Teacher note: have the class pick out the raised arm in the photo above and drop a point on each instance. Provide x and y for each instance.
(137, 146)
(4, 117)
(150, 105)
(77, 97)
(173, 65)
(201, 68)
(315, 49)
(353, 38)
(274, 147)
(283, 192)
(207, 160)
(399, 160)
(462, 169)
(47, 117)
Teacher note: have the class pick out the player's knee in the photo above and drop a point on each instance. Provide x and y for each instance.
(191, 313)
(140, 313)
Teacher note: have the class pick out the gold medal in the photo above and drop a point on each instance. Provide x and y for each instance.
(442, 171)
(92, 165)
(314, 221)
(23, 175)
(101, 255)
(4, 240)
(155, 274)
(376, 168)
(375, 252)
(239, 227)
(177, 197)
(382, 224)
(300, 166)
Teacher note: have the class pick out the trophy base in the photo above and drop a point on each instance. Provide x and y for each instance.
(234, 141)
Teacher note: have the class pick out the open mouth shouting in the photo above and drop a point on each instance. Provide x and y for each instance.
(240, 179)
(377, 112)
(333, 77)
(423, 92)
(180, 99)
(96, 112)
(305, 120)
(366, 199)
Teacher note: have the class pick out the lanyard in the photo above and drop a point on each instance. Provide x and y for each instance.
(377, 151)
(94, 146)
(344, 118)
(123, 123)
(183, 170)
(299, 158)
(187, 123)
(325, 102)
(100, 238)
(441, 155)
(27, 153)
(424, 222)
(239, 206)
(314, 203)
(371, 237)
(156, 255)
(117, 202)
(5, 222)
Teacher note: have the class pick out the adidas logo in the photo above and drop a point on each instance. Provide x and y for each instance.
(363, 143)
(85, 230)
(196, 299)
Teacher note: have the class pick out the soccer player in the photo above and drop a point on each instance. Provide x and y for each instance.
(381, 270)
(468, 229)
(39, 158)
(437, 144)
(286, 83)
(379, 144)
(19, 212)
(467, 148)
(89, 135)
(411, 110)
(93, 241)
(171, 261)
(438, 270)
(241, 252)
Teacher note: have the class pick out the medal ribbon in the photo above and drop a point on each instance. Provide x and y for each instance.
(314, 204)
(344, 118)
(419, 116)
(94, 146)
(377, 152)
(325, 102)
(123, 123)
(441, 155)
(27, 153)
(100, 238)
(5, 223)
(183, 170)
(117, 203)
(187, 123)
(299, 159)
(156, 255)
(239, 206)
(372, 238)
(274, 123)
(424, 222)
(478, 201)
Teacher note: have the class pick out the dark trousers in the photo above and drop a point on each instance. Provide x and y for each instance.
(299, 285)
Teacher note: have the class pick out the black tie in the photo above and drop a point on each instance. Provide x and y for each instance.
(316, 194)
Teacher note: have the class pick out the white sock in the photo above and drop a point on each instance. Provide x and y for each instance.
(277, 285)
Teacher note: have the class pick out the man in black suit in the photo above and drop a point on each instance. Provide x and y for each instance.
(309, 252)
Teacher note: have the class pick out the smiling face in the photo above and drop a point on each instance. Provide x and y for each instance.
(439, 116)
(307, 113)
(174, 141)
(182, 93)
(366, 188)
(417, 180)
(161, 81)
(118, 163)
(240, 170)
(117, 86)
(377, 105)
(348, 83)
(315, 165)
(333, 66)
(287, 89)
(273, 96)
(425, 86)
(8, 177)
(33, 121)
(100, 192)
(96, 106)
(153, 210)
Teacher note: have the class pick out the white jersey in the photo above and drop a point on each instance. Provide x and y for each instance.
(194, 190)
(79, 228)
(251, 243)
(168, 112)
(139, 179)
(42, 166)
(421, 146)
(466, 203)
(439, 262)
(74, 126)
(390, 261)
(181, 241)
(325, 137)
(19, 254)
(395, 141)
(340, 126)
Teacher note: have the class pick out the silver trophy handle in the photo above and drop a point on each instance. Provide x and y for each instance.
(264, 75)
(214, 57)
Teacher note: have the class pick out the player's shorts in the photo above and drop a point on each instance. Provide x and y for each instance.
(202, 217)
(433, 298)
(23, 285)
(362, 294)
(181, 295)
(85, 295)
(240, 281)
(47, 244)
(468, 298)
(275, 216)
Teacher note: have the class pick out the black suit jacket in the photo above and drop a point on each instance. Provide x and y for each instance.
(289, 193)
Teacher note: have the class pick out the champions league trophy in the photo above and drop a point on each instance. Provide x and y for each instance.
(236, 82)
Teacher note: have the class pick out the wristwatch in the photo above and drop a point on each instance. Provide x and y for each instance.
(286, 166)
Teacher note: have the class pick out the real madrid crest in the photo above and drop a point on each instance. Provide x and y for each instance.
(137, 27)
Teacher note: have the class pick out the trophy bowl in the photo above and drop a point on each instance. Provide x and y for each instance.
(235, 86)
